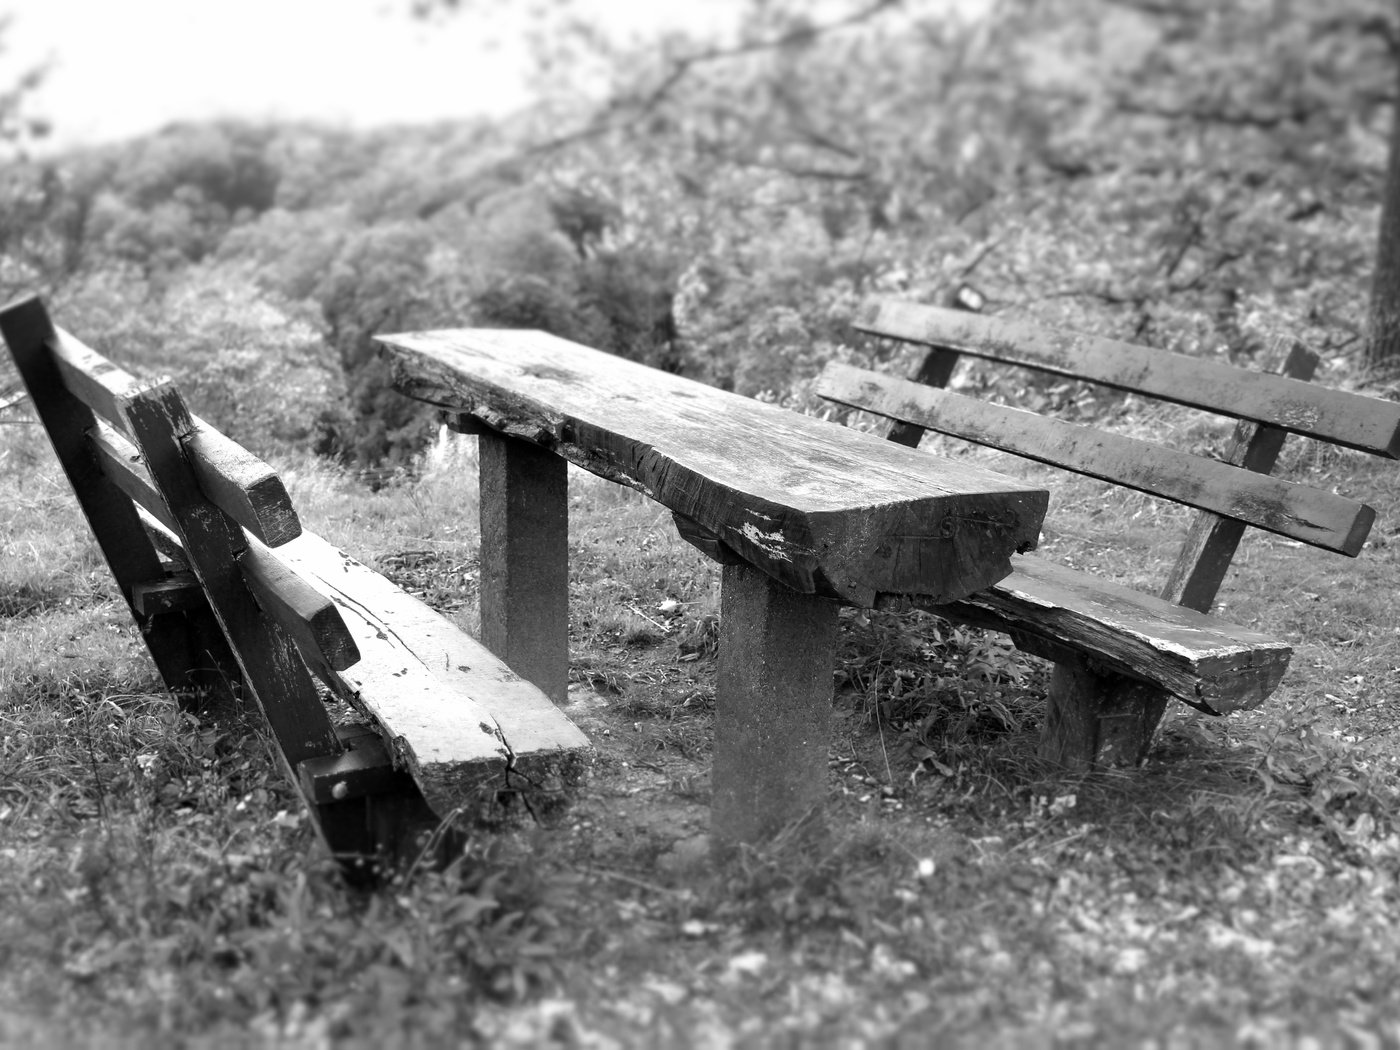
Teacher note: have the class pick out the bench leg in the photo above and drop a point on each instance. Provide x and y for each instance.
(1098, 721)
(525, 561)
(772, 705)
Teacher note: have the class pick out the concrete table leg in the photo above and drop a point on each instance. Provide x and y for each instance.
(772, 706)
(525, 560)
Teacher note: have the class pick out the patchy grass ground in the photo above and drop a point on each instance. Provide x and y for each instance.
(162, 886)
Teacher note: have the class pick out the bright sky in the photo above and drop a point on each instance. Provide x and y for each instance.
(121, 67)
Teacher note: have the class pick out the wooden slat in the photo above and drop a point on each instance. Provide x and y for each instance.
(1060, 613)
(821, 509)
(157, 419)
(1299, 512)
(306, 614)
(95, 381)
(121, 462)
(236, 481)
(1353, 420)
(241, 485)
(1212, 540)
(463, 723)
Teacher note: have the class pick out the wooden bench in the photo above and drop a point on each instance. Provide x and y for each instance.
(1119, 654)
(236, 601)
(803, 514)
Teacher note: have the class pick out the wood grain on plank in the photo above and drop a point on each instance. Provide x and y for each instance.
(1057, 612)
(241, 485)
(820, 508)
(1300, 512)
(462, 722)
(1369, 424)
(310, 617)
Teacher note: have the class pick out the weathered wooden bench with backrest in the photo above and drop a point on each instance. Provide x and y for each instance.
(1120, 655)
(235, 602)
(803, 514)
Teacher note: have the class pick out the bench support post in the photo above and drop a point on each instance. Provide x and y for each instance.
(772, 705)
(525, 560)
(1098, 720)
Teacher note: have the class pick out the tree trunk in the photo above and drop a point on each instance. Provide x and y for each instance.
(1383, 324)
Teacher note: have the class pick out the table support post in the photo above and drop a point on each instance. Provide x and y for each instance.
(772, 706)
(525, 560)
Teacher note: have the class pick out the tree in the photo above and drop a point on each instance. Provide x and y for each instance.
(1383, 322)
(17, 128)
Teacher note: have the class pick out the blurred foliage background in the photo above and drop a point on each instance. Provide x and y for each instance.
(717, 208)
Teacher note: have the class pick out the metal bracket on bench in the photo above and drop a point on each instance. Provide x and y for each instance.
(363, 768)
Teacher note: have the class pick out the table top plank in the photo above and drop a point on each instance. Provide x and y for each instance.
(824, 509)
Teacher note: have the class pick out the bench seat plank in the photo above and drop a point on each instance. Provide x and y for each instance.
(1314, 516)
(1054, 611)
(463, 723)
(1369, 424)
(822, 510)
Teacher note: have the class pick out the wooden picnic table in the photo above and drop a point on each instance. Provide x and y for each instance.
(803, 514)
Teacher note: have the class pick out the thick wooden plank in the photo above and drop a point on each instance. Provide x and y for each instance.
(188, 661)
(1312, 515)
(241, 485)
(772, 706)
(232, 478)
(465, 725)
(157, 419)
(1061, 614)
(821, 509)
(166, 543)
(1366, 423)
(310, 617)
(1211, 541)
(524, 510)
(95, 381)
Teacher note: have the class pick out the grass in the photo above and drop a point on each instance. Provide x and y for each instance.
(162, 886)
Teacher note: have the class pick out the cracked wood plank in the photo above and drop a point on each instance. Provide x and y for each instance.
(464, 725)
(1060, 613)
(822, 509)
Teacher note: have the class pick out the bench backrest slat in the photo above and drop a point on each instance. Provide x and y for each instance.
(239, 483)
(308, 616)
(1300, 512)
(1353, 420)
